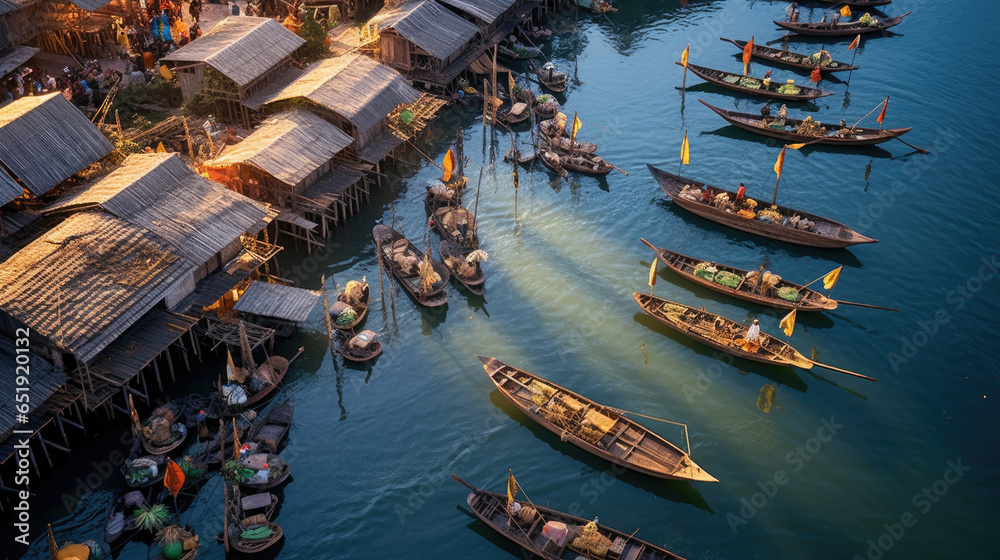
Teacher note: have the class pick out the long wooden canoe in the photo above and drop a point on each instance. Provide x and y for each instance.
(789, 58)
(491, 508)
(806, 299)
(592, 427)
(858, 137)
(451, 255)
(838, 29)
(734, 82)
(386, 237)
(268, 432)
(854, 3)
(718, 332)
(825, 233)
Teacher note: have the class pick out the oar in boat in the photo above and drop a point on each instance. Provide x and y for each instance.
(917, 148)
(841, 370)
(842, 302)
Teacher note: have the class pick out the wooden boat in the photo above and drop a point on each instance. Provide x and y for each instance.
(788, 58)
(440, 193)
(119, 521)
(403, 260)
(519, 112)
(278, 471)
(824, 232)
(721, 278)
(556, 137)
(550, 78)
(589, 164)
(247, 534)
(179, 539)
(858, 137)
(545, 109)
(754, 86)
(87, 550)
(597, 6)
(720, 333)
(268, 432)
(511, 48)
(464, 266)
(210, 451)
(268, 375)
(853, 3)
(592, 427)
(456, 223)
(850, 28)
(491, 508)
(552, 160)
(361, 348)
(144, 471)
(356, 296)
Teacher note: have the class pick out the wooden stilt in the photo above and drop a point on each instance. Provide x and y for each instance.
(159, 382)
(170, 365)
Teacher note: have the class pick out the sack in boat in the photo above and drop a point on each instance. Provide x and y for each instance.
(256, 533)
(164, 412)
(527, 514)
(256, 385)
(591, 542)
(789, 293)
(727, 279)
(540, 392)
(235, 395)
(555, 532)
(347, 316)
(705, 271)
(157, 430)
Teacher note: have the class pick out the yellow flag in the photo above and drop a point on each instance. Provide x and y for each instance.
(846, 11)
(780, 163)
(160, 149)
(788, 323)
(830, 280)
(795, 146)
(230, 366)
(652, 274)
(449, 164)
(577, 125)
(511, 489)
(511, 85)
(684, 55)
(685, 150)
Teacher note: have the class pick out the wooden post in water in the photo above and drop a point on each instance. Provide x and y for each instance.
(326, 312)
(460, 151)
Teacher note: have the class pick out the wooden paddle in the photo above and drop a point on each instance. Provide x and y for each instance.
(867, 305)
(917, 148)
(848, 372)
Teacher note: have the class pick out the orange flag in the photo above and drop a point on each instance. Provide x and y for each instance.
(173, 479)
(511, 489)
(816, 76)
(881, 116)
(854, 44)
(778, 164)
(747, 51)
(684, 55)
(449, 164)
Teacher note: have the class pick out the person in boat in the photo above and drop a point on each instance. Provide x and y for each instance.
(706, 194)
(765, 113)
(822, 58)
(751, 338)
(740, 196)
(200, 419)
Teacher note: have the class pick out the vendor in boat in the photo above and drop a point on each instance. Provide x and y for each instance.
(741, 195)
(706, 194)
(200, 419)
(751, 338)
(822, 58)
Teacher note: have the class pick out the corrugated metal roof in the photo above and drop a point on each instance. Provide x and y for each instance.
(197, 216)
(6, 6)
(45, 139)
(9, 189)
(485, 10)
(87, 280)
(15, 57)
(288, 146)
(356, 87)
(90, 5)
(242, 48)
(277, 301)
(428, 25)
(379, 147)
(44, 380)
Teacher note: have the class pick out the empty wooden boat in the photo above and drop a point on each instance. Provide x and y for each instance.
(593, 427)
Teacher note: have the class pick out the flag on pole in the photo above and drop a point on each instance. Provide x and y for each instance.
(230, 366)
(160, 149)
(577, 125)
(816, 76)
(854, 44)
(173, 479)
(780, 163)
(747, 51)
(652, 274)
(881, 116)
(788, 323)
(511, 85)
(845, 11)
(830, 280)
(685, 150)
(795, 146)
(449, 164)
(684, 55)
(511, 489)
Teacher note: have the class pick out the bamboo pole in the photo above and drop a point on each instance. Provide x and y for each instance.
(187, 136)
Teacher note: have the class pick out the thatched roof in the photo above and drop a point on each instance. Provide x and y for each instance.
(288, 146)
(9, 189)
(352, 86)
(486, 11)
(90, 5)
(242, 48)
(87, 280)
(428, 25)
(277, 301)
(198, 217)
(45, 139)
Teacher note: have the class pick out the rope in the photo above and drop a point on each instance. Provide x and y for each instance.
(866, 116)
(620, 411)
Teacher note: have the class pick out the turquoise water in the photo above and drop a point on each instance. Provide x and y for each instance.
(834, 463)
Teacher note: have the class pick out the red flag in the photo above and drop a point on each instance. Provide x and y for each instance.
(816, 76)
(173, 479)
(881, 116)
(747, 51)
(854, 44)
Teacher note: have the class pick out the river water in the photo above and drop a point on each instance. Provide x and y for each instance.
(812, 464)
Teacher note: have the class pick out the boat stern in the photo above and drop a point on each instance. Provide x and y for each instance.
(689, 470)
